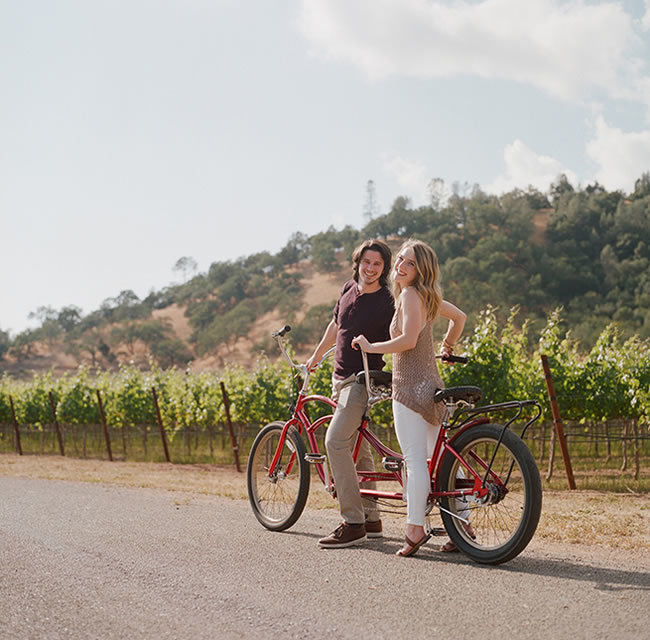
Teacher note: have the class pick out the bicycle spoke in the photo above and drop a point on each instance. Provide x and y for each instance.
(277, 497)
(496, 519)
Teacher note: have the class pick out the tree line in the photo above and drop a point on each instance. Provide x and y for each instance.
(586, 250)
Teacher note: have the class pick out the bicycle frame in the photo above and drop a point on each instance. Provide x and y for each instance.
(473, 484)
(484, 481)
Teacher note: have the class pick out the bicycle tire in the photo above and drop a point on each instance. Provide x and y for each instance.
(503, 525)
(277, 501)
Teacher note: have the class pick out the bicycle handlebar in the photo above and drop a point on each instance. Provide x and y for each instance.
(458, 359)
(282, 332)
(277, 336)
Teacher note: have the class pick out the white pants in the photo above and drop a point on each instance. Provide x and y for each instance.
(416, 438)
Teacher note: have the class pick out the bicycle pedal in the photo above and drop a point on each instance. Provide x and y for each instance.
(391, 463)
(438, 531)
(315, 458)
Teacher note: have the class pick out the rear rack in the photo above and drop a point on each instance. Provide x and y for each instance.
(469, 414)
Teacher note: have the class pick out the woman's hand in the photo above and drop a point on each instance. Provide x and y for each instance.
(446, 350)
(361, 342)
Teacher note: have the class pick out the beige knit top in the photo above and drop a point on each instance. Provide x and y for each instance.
(415, 374)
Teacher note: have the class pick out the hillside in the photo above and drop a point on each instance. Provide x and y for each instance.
(319, 289)
(586, 251)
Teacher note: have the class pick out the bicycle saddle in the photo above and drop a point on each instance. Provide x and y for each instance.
(380, 378)
(469, 394)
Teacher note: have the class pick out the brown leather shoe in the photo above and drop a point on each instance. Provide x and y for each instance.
(345, 535)
(374, 529)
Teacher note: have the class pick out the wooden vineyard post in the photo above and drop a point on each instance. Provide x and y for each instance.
(19, 447)
(557, 421)
(233, 438)
(102, 417)
(163, 437)
(56, 423)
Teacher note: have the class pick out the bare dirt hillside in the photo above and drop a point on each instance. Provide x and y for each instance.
(175, 315)
(319, 288)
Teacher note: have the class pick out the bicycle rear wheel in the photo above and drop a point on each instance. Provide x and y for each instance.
(278, 499)
(502, 523)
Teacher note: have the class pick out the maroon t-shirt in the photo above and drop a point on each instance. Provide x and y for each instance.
(360, 313)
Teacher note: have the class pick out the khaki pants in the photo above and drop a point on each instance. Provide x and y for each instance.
(340, 439)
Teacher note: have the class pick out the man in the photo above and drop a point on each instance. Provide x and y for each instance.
(366, 307)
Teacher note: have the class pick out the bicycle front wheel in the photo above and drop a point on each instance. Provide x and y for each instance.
(501, 524)
(278, 498)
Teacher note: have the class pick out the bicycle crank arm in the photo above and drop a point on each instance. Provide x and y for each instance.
(320, 458)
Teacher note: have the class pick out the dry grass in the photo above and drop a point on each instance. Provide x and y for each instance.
(596, 518)
(579, 517)
(207, 479)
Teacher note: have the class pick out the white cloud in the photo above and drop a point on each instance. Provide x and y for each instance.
(564, 48)
(525, 168)
(621, 156)
(410, 176)
(645, 20)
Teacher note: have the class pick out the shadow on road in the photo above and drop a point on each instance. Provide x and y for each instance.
(604, 579)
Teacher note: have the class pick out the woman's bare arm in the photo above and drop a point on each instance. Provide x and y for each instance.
(413, 319)
(456, 319)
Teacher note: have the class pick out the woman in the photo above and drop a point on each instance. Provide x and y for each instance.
(418, 302)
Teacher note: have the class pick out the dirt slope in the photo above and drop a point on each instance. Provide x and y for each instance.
(318, 288)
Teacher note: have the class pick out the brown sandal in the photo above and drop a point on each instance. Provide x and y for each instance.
(450, 547)
(414, 546)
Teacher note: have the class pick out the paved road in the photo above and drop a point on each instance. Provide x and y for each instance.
(93, 561)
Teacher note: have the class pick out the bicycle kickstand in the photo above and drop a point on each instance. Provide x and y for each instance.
(433, 531)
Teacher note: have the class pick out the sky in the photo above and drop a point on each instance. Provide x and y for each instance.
(136, 132)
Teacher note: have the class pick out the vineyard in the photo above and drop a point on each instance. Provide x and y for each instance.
(604, 398)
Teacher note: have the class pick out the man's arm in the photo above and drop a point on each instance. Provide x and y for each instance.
(327, 341)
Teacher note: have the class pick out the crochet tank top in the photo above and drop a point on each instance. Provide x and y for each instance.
(415, 374)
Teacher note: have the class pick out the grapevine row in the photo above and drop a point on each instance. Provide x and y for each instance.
(612, 381)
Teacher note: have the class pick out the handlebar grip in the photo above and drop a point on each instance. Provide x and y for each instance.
(282, 331)
(458, 359)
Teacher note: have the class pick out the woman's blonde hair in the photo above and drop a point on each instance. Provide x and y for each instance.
(427, 279)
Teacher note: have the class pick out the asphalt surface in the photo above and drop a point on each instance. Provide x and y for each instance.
(95, 561)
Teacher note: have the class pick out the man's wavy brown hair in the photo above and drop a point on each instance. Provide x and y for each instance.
(373, 245)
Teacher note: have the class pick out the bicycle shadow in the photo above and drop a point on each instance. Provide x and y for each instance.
(602, 578)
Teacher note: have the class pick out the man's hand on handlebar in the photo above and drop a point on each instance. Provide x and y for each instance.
(312, 363)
